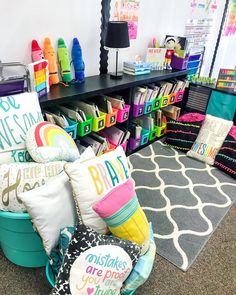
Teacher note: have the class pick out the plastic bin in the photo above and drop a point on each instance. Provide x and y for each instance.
(193, 71)
(144, 136)
(193, 64)
(148, 107)
(111, 118)
(152, 134)
(134, 143)
(179, 96)
(195, 57)
(164, 101)
(179, 63)
(99, 122)
(72, 129)
(19, 242)
(156, 103)
(161, 130)
(138, 110)
(172, 98)
(85, 128)
(123, 115)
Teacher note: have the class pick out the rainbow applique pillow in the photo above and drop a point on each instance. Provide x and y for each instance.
(210, 139)
(48, 142)
(93, 179)
(121, 211)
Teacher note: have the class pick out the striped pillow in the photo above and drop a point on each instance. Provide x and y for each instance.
(226, 158)
(182, 135)
(121, 211)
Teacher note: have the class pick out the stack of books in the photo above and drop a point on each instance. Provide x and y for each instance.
(135, 69)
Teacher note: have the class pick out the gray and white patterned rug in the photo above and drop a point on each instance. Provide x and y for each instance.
(183, 198)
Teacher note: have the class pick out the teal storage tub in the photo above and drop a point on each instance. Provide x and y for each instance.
(19, 242)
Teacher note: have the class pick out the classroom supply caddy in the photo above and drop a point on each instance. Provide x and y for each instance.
(19, 242)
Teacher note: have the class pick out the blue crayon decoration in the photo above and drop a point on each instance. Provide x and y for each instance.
(77, 60)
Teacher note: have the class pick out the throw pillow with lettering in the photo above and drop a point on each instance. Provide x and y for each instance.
(48, 142)
(16, 178)
(210, 139)
(95, 264)
(93, 179)
(16, 118)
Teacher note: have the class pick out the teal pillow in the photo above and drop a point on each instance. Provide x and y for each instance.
(222, 105)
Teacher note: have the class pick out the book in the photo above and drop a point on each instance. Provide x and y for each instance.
(136, 73)
(136, 66)
(227, 80)
(156, 58)
(117, 102)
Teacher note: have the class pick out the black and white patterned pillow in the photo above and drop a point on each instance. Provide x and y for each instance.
(95, 262)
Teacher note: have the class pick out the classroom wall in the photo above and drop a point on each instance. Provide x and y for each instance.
(79, 18)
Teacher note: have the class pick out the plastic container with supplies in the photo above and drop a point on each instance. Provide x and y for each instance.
(156, 104)
(179, 63)
(85, 127)
(164, 101)
(72, 128)
(99, 122)
(123, 115)
(148, 107)
(161, 130)
(138, 110)
(19, 241)
(144, 136)
(152, 134)
(111, 118)
(134, 143)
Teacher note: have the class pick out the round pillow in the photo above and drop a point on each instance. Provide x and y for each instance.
(48, 142)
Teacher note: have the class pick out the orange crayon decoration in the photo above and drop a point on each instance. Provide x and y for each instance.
(50, 55)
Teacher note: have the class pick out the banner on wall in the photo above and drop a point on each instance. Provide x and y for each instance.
(17, 114)
(128, 10)
(230, 23)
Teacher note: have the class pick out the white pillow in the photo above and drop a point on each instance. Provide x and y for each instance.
(48, 142)
(93, 179)
(210, 139)
(16, 178)
(52, 206)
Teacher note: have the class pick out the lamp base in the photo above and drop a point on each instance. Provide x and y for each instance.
(117, 75)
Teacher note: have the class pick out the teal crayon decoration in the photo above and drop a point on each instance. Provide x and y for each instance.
(64, 62)
(77, 60)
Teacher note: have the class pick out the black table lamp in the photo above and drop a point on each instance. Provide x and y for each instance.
(117, 37)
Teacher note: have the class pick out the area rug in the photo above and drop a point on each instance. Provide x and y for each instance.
(183, 198)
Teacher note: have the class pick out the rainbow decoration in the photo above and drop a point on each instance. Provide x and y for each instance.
(50, 135)
(39, 77)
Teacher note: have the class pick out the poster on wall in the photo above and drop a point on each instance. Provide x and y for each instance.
(128, 10)
(230, 23)
(207, 5)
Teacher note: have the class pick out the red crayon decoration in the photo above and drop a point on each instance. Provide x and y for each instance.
(36, 51)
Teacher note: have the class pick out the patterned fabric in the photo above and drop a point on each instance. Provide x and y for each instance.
(58, 253)
(226, 158)
(181, 135)
(121, 211)
(95, 263)
(142, 269)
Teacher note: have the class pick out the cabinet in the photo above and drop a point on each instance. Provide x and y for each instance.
(102, 84)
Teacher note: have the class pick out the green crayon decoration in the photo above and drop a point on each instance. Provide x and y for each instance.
(64, 61)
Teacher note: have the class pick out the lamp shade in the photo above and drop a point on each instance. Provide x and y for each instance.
(117, 35)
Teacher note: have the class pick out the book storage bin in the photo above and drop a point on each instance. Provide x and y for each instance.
(138, 110)
(193, 64)
(152, 133)
(85, 128)
(144, 136)
(19, 242)
(148, 107)
(99, 122)
(72, 128)
(161, 130)
(179, 96)
(156, 103)
(134, 143)
(164, 101)
(123, 115)
(111, 118)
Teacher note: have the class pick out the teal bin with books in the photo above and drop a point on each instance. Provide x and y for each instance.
(19, 241)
